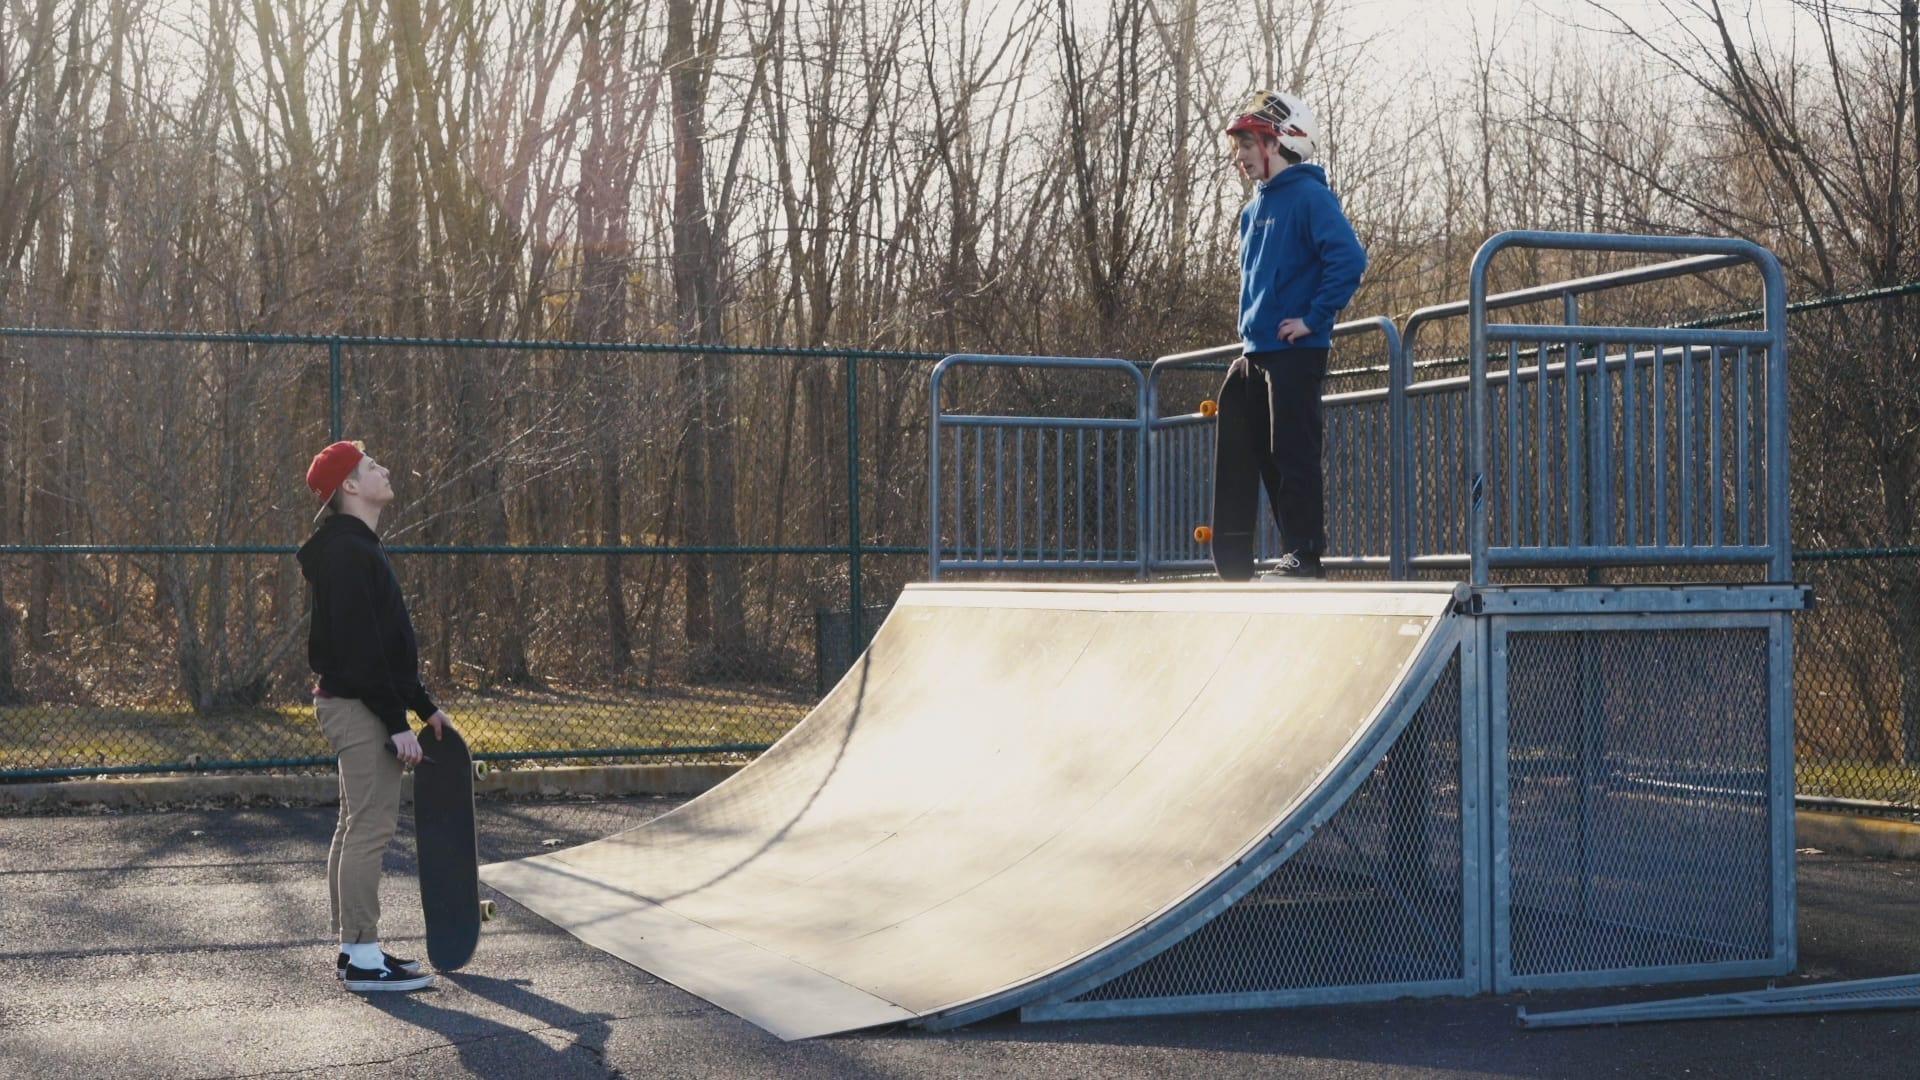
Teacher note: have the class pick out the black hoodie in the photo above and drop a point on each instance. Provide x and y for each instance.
(361, 642)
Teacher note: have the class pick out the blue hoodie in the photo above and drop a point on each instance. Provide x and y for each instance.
(1299, 259)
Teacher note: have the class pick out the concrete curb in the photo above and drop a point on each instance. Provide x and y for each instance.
(1852, 834)
(135, 793)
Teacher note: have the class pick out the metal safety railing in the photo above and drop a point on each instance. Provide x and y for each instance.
(996, 507)
(1699, 433)
(1566, 445)
(1361, 525)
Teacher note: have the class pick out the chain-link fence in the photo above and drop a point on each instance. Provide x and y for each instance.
(611, 552)
(582, 595)
(1857, 679)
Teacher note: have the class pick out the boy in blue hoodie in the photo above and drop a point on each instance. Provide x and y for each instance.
(1299, 266)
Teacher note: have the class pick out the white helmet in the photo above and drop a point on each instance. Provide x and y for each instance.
(1283, 116)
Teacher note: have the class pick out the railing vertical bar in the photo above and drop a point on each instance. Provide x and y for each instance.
(1060, 490)
(1659, 447)
(1602, 421)
(1019, 494)
(1445, 482)
(1160, 442)
(1461, 435)
(959, 522)
(1000, 494)
(1541, 444)
(1080, 492)
(1100, 493)
(1716, 420)
(1379, 504)
(936, 474)
(1377, 507)
(980, 495)
(1356, 479)
(1511, 465)
(1205, 450)
(1630, 422)
(1333, 466)
(1039, 497)
(1517, 533)
(1181, 487)
(1742, 423)
(1191, 489)
(1575, 493)
(1420, 465)
(1687, 456)
(959, 493)
(1157, 443)
(1040, 493)
(1139, 477)
(1200, 457)
(1411, 461)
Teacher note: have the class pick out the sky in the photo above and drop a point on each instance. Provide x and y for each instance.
(1439, 26)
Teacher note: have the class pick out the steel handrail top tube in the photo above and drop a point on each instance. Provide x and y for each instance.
(1226, 353)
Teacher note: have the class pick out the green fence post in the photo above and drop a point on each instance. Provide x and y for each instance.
(856, 605)
(334, 422)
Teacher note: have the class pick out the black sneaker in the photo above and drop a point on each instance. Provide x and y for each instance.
(404, 967)
(1295, 564)
(361, 981)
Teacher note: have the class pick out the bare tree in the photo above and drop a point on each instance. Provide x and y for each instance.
(1819, 159)
(714, 617)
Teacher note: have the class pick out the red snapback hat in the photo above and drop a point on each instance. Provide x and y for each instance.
(332, 466)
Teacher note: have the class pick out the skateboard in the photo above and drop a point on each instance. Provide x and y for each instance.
(449, 849)
(1236, 486)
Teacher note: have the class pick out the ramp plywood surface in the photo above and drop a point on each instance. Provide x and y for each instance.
(1009, 780)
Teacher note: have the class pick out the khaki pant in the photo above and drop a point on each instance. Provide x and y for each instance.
(369, 811)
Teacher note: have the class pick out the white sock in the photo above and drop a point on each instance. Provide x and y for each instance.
(364, 956)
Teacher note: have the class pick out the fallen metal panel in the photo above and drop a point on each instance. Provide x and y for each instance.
(1898, 992)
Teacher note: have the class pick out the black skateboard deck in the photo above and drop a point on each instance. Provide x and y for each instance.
(449, 849)
(1236, 484)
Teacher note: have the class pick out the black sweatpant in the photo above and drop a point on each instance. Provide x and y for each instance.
(1281, 392)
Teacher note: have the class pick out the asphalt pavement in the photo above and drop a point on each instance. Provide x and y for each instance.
(192, 943)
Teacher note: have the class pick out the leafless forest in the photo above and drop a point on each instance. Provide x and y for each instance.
(797, 174)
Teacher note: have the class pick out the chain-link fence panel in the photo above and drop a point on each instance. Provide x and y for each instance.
(609, 552)
(1636, 781)
(199, 661)
(1857, 681)
(1373, 899)
(232, 687)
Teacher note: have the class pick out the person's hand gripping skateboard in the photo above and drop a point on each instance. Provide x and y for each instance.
(406, 745)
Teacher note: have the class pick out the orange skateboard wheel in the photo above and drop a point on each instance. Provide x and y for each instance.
(1209, 407)
(1203, 534)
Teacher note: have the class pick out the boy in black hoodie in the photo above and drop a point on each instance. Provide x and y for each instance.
(362, 646)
